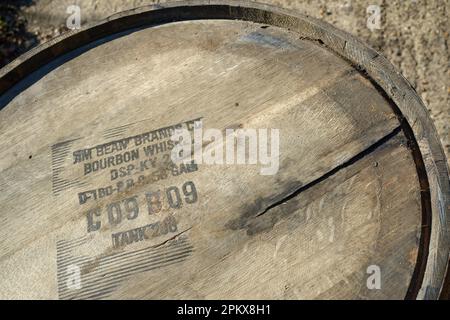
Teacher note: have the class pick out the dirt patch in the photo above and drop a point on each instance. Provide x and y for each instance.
(15, 39)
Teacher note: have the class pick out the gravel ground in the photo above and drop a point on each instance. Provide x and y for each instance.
(414, 36)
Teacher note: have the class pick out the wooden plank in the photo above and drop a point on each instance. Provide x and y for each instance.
(231, 74)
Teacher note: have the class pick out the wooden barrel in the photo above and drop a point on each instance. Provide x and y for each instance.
(353, 204)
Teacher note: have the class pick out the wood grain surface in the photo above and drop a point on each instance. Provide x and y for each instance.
(357, 185)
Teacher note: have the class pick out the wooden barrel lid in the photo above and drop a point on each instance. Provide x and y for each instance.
(91, 209)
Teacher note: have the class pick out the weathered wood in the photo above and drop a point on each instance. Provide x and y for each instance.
(354, 189)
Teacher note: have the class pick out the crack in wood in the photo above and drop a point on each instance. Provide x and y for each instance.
(332, 172)
(171, 238)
